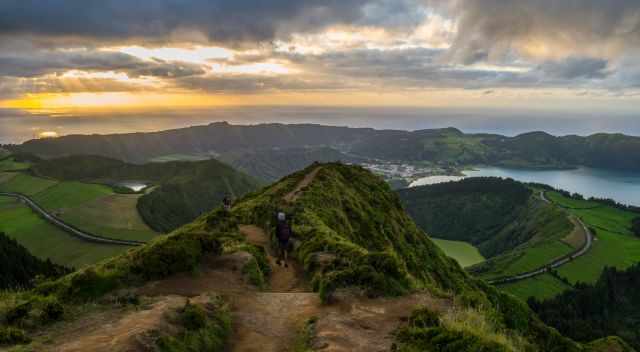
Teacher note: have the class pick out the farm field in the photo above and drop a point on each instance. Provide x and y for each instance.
(531, 258)
(464, 253)
(47, 241)
(9, 164)
(541, 287)
(114, 215)
(26, 184)
(91, 207)
(614, 246)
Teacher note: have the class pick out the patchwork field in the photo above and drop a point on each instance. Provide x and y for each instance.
(9, 164)
(46, 241)
(114, 215)
(464, 253)
(91, 207)
(614, 245)
(26, 184)
(543, 286)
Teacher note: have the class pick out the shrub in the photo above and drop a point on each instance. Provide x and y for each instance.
(12, 336)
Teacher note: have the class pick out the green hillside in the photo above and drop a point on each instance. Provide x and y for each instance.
(615, 246)
(500, 217)
(610, 306)
(18, 268)
(182, 190)
(342, 214)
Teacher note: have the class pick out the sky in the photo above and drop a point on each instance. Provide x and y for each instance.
(575, 56)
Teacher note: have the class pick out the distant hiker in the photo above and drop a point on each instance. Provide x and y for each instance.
(226, 203)
(283, 234)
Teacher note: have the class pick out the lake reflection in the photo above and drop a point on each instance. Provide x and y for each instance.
(623, 187)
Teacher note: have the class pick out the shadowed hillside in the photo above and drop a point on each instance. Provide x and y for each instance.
(442, 146)
(18, 268)
(181, 190)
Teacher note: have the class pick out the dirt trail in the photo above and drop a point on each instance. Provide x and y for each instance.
(116, 335)
(359, 324)
(293, 195)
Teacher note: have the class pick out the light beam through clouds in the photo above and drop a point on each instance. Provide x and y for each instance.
(495, 53)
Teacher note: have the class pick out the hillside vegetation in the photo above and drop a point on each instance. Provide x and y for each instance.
(18, 268)
(495, 215)
(351, 233)
(441, 146)
(182, 192)
(611, 306)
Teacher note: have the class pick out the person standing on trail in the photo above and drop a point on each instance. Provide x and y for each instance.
(226, 203)
(283, 234)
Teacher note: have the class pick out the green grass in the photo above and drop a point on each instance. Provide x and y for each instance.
(610, 249)
(46, 241)
(615, 246)
(464, 253)
(541, 287)
(26, 184)
(70, 194)
(9, 164)
(566, 202)
(535, 257)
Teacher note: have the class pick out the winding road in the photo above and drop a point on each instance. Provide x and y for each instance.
(66, 227)
(556, 263)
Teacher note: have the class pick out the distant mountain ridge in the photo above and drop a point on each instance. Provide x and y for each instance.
(445, 146)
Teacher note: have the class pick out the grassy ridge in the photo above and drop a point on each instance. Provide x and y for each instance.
(355, 220)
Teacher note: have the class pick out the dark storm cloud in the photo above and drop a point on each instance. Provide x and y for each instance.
(493, 28)
(40, 62)
(227, 21)
(576, 67)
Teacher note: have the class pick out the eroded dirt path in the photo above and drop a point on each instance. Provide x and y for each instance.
(296, 192)
(112, 335)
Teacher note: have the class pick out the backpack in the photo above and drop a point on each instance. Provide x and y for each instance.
(283, 231)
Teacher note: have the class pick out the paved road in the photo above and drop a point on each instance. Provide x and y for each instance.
(555, 264)
(66, 227)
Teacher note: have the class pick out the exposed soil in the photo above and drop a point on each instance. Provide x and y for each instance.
(113, 335)
(293, 195)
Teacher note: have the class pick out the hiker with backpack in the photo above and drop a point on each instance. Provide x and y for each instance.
(283, 234)
(226, 203)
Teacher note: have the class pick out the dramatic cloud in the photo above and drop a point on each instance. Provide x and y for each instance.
(218, 20)
(589, 47)
(493, 29)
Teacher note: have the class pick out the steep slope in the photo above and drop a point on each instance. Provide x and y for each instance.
(18, 268)
(351, 237)
(184, 190)
(610, 306)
